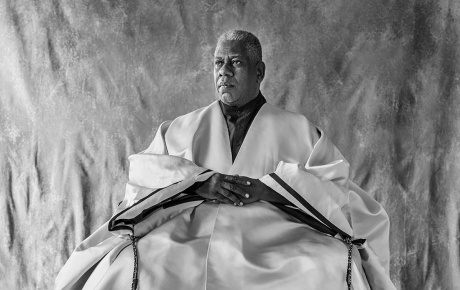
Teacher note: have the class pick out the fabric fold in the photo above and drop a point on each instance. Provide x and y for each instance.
(185, 241)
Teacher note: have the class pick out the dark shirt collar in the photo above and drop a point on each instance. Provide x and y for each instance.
(251, 106)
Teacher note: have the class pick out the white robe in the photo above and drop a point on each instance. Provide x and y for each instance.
(203, 245)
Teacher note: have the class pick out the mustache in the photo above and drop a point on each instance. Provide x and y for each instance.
(225, 83)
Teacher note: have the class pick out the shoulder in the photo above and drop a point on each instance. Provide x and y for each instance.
(183, 128)
(287, 118)
(192, 116)
(275, 111)
(192, 120)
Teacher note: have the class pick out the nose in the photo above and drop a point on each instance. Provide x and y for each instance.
(225, 70)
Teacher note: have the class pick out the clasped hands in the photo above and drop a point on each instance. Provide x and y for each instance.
(237, 190)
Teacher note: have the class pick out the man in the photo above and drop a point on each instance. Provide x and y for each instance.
(237, 195)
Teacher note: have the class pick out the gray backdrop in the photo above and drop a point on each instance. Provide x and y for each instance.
(84, 84)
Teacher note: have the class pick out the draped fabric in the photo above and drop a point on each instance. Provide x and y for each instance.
(85, 84)
(198, 244)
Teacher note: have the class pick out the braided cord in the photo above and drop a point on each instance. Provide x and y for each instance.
(136, 262)
(350, 250)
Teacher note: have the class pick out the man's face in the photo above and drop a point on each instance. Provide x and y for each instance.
(235, 76)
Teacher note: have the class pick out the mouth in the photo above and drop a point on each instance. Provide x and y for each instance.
(225, 86)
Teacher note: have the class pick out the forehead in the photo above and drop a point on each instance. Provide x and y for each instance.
(230, 48)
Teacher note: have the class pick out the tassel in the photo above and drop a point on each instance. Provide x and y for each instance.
(350, 251)
(136, 261)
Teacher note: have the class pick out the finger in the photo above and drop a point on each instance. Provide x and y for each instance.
(222, 199)
(235, 189)
(235, 179)
(227, 194)
(228, 201)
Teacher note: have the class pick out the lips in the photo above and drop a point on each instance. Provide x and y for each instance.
(225, 85)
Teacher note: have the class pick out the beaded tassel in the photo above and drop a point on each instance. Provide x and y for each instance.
(350, 250)
(136, 270)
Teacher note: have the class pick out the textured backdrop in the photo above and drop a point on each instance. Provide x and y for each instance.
(84, 84)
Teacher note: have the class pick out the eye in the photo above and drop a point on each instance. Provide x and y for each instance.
(218, 63)
(236, 62)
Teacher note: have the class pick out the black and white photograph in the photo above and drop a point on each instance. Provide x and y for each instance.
(230, 145)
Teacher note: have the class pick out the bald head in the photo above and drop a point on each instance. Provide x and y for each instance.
(250, 42)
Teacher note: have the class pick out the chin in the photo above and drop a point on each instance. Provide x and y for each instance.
(228, 99)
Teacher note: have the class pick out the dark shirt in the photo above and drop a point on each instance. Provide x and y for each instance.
(239, 120)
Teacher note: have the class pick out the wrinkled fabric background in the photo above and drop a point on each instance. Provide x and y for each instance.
(84, 84)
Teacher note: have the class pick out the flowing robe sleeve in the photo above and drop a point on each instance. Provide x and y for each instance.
(154, 169)
(156, 180)
(323, 185)
(154, 194)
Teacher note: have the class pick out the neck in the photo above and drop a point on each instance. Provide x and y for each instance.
(246, 101)
(259, 99)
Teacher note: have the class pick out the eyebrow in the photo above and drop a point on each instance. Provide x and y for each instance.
(231, 56)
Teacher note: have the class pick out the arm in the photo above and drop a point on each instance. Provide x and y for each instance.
(154, 169)
(323, 182)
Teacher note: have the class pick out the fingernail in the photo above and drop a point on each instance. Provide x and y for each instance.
(241, 203)
(246, 195)
(234, 203)
(248, 183)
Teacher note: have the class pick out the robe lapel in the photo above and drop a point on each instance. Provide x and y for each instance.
(248, 161)
(211, 148)
(272, 138)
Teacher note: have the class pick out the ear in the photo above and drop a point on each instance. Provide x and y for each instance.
(260, 70)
